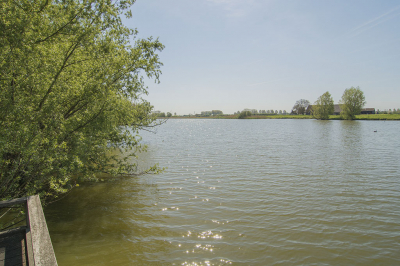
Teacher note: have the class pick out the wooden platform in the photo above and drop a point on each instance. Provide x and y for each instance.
(27, 245)
(12, 247)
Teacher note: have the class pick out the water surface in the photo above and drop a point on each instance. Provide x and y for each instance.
(244, 192)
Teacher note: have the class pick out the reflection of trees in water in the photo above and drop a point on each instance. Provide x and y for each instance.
(322, 141)
(116, 220)
(351, 137)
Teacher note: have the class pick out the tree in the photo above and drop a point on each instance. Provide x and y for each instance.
(169, 114)
(70, 91)
(352, 102)
(323, 107)
(300, 106)
(216, 112)
(244, 114)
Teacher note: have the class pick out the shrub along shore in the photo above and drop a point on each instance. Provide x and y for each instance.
(273, 116)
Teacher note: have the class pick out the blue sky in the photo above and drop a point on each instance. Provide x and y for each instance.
(267, 54)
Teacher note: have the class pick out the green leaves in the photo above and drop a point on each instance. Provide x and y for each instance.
(352, 102)
(323, 107)
(70, 85)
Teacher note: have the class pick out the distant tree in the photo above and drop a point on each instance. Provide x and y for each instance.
(216, 112)
(300, 106)
(323, 107)
(244, 114)
(174, 114)
(352, 102)
(161, 115)
(284, 112)
(169, 114)
(280, 112)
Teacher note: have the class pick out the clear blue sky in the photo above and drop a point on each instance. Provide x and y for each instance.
(267, 54)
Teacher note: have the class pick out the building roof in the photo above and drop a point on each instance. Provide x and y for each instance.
(336, 108)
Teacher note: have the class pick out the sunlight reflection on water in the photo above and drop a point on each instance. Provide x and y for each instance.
(244, 192)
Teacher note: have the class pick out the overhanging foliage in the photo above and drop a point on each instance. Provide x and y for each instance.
(70, 90)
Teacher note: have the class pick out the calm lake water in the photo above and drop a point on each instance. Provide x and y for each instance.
(244, 192)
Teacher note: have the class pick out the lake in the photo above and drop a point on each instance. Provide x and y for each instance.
(243, 192)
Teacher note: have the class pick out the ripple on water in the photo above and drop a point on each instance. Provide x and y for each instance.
(245, 193)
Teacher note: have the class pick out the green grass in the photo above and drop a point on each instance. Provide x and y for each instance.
(331, 117)
(370, 117)
(379, 117)
(279, 117)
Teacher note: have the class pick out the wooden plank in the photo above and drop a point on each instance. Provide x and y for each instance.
(13, 231)
(2, 256)
(12, 241)
(23, 248)
(8, 203)
(43, 252)
(28, 239)
(29, 249)
(12, 245)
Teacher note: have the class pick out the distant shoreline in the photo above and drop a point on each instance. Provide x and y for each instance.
(262, 116)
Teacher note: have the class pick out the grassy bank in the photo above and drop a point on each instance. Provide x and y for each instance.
(280, 117)
(370, 117)
(332, 117)
(379, 117)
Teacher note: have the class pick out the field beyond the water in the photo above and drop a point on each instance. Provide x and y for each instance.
(279, 116)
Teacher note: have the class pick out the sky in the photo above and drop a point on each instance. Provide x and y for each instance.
(230, 55)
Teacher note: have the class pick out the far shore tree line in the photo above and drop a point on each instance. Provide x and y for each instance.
(351, 104)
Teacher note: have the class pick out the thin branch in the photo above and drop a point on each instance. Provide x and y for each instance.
(87, 122)
(60, 29)
(70, 52)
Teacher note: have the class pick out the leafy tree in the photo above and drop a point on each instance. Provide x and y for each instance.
(216, 112)
(244, 114)
(169, 114)
(70, 92)
(161, 114)
(323, 107)
(352, 102)
(300, 106)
